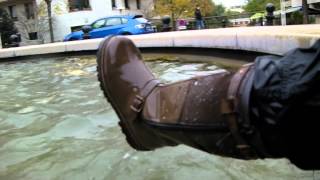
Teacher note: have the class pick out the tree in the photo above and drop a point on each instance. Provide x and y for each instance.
(182, 8)
(305, 12)
(295, 18)
(219, 10)
(232, 13)
(7, 27)
(220, 17)
(48, 2)
(260, 5)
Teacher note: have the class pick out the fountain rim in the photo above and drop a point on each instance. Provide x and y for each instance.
(275, 40)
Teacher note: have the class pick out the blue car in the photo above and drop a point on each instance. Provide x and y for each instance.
(114, 25)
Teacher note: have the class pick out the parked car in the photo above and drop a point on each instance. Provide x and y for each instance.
(114, 25)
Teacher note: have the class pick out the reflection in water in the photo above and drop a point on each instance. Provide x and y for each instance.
(56, 124)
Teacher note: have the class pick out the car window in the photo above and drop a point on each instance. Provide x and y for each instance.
(124, 20)
(113, 21)
(141, 20)
(98, 24)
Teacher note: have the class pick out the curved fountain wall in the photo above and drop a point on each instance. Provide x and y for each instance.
(268, 39)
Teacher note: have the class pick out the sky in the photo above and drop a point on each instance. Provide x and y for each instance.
(228, 3)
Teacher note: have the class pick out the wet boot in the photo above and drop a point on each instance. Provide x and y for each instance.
(198, 112)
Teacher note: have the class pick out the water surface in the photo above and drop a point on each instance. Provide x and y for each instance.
(56, 124)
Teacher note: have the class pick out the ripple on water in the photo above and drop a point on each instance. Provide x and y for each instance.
(27, 110)
(56, 124)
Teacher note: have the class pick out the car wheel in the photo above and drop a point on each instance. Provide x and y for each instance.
(72, 39)
(126, 33)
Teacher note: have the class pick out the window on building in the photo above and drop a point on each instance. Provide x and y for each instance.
(13, 12)
(316, 5)
(113, 21)
(126, 4)
(79, 5)
(29, 10)
(113, 2)
(33, 36)
(138, 4)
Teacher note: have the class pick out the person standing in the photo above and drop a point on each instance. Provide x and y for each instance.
(198, 17)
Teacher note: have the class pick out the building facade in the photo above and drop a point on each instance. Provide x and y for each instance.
(298, 3)
(22, 12)
(67, 15)
(314, 7)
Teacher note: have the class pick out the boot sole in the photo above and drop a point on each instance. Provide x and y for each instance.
(125, 126)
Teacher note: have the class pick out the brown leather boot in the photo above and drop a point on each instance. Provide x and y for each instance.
(152, 115)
